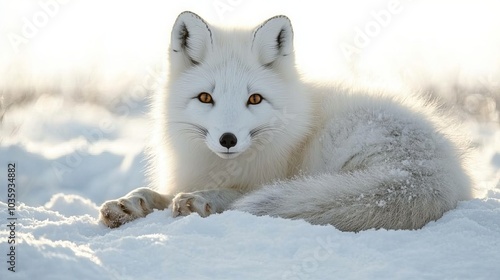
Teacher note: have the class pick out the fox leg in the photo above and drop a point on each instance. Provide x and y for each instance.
(204, 202)
(136, 204)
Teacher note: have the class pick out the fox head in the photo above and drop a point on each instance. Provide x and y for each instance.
(232, 91)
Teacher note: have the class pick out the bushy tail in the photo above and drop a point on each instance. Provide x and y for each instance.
(391, 199)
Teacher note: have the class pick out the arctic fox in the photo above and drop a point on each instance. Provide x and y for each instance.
(236, 128)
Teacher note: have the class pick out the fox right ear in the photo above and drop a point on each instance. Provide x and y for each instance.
(191, 36)
(273, 40)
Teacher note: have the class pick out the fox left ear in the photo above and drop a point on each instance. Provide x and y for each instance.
(191, 36)
(273, 40)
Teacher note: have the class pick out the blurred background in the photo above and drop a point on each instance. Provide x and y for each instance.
(75, 75)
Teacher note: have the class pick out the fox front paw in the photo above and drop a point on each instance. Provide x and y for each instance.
(114, 213)
(184, 204)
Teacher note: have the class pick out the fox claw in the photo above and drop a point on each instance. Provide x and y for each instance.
(184, 204)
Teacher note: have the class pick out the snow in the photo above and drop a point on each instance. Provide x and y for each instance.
(73, 153)
(464, 244)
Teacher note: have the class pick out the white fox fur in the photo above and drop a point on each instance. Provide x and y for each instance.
(324, 154)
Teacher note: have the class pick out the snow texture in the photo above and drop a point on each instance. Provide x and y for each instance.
(464, 244)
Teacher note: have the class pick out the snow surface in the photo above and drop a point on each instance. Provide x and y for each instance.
(72, 155)
(464, 244)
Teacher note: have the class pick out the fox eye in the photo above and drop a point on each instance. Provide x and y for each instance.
(254, 99)
(205, 97)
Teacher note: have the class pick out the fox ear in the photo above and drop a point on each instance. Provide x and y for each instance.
(191, 36)
(273, 40)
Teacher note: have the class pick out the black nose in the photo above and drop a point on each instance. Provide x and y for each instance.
(228, 140)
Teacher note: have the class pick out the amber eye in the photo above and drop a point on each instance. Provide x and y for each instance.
(254, 99)
(205, 98)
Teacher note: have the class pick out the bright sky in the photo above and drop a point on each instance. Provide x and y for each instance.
(380, 41)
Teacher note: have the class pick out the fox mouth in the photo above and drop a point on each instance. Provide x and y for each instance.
(227, 155)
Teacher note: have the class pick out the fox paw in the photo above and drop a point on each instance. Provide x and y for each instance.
(114, 213)
(184, 204)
